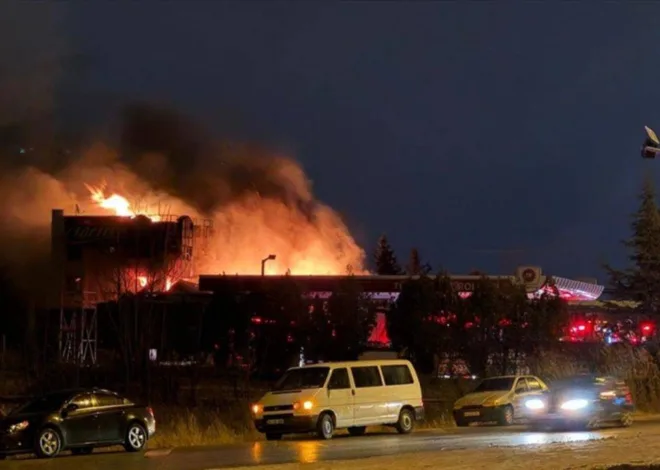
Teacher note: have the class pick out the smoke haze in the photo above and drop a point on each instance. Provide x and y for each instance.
(162, 161)
(260, 203)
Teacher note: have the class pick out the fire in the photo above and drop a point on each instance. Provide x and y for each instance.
(143, 281)
(255, 226)
(306, 236)
(247, 231)
(116, 203)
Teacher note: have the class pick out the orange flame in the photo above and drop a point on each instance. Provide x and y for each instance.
(143, 281)
(255, 227)
(116, 203)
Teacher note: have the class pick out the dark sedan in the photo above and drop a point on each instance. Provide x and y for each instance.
(582, 401)
(77, 420)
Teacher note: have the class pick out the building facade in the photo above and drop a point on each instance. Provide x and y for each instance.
(97, 258)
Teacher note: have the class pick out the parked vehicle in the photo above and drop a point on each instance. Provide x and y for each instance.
(582, 401)
(328, 396)
(77, 420)
(498, 399)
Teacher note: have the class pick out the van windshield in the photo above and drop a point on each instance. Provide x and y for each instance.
(307, 377)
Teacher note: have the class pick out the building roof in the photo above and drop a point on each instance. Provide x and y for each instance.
(569, 289)
(578, 290)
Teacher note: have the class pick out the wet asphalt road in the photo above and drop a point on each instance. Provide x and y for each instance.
(307, 451)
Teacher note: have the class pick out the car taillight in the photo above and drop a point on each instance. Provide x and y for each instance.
(150, 411)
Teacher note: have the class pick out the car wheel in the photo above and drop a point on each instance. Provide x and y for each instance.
(461, 423)
(506, 416)
(271, 436)
(136, 438)
(406, 422)
(357, 430)
(626, 420)
(82, 450)
(49, 443)
(325, 427)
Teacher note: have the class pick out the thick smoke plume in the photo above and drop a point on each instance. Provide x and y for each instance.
(260, 203)
(31, 62)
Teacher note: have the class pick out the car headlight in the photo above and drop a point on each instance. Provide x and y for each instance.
(305, 405)
(257, 409)
(534, 404)
(572, 405)
(18, 427)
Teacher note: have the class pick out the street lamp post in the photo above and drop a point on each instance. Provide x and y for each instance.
(264, 261)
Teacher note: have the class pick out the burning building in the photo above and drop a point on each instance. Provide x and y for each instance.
(98, 258)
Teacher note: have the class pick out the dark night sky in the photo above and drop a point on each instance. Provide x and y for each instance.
(455, 127)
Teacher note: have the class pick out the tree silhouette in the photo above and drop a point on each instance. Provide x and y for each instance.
(422, 321)
(352, 318)
(385, 258)
(640, 282)
(415, 266)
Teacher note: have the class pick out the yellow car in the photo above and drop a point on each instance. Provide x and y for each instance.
(498, 399)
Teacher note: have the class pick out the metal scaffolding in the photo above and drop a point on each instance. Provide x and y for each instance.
(78, 328)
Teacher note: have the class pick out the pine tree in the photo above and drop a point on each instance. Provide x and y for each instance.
(641, 281)
(385, 258)
(415, 266)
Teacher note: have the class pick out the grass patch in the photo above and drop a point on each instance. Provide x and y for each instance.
(200, 426)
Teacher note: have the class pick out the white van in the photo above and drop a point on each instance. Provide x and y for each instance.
(327, 396)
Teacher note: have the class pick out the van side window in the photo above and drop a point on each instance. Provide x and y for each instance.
(366, 377)
(339, 380)
(397, 375)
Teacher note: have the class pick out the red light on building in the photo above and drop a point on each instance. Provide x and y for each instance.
(580, 328)
(647, 328)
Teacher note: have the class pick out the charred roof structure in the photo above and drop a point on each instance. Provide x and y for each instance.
(99, 258)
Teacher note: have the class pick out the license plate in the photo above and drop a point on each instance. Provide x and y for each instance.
(471, 413)
(275, 421)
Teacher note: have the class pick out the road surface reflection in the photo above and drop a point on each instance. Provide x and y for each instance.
(556, 438)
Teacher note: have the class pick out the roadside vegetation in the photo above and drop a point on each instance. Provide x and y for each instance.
(217, 411)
